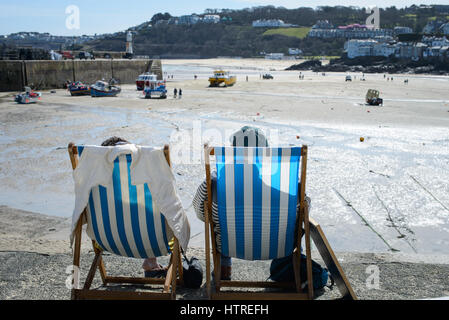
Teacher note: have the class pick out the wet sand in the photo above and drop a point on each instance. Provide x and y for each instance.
(396, 180)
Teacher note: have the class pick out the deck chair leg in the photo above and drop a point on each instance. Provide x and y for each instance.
(308, 252)
(77, 256)
(168, 279)
(92, 271)
(297, 254)
(176, 264)
(207, 249)
(331, 261)
(217, 270)
(101, 266)
(297, 270)
(180, 268)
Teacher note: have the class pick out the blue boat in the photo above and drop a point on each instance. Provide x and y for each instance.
(155, 88)
(104, 89)
(78, 89)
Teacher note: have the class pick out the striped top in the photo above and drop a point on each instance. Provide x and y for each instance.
(124, 218)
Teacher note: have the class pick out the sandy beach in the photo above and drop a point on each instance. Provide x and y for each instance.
(395, 180)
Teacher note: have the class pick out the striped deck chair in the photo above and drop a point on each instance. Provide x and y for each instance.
(257, 196)
(125, 221)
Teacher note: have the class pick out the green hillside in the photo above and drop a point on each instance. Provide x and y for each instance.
(299, 33)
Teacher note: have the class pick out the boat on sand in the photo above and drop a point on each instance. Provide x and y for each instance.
(104, 89)
(28, 97)
(221, 77)
(78, 89)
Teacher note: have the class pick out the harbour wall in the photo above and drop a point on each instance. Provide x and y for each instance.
(47, 74)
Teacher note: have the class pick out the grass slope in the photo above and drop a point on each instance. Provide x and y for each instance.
(299, 33)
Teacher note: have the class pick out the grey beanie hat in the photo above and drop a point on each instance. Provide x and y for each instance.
(249, 137)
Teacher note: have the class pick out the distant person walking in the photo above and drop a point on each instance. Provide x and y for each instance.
(175, 93)
(180, 93)
(246, 78)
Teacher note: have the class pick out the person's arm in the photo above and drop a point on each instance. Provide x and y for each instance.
(199, 199)
(308, 200)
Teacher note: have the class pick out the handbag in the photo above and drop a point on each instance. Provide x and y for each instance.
(192, 272)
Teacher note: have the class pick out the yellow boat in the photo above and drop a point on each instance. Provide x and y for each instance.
(222, 77)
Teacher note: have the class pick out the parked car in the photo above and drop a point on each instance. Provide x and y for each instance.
(67, 55)
(128, 56)
(83, 55)
(268, 76)
(348, 78)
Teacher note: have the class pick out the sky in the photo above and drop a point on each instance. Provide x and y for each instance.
(107, 16)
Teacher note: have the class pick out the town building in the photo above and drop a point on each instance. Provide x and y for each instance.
(189, 19)
(354, 31)
(402, 30)
(413, 51)
(295, 52)
(274, 56)
(211, 18)
(323, 24)
(274, 23)
(444, 29)
(428, 48)
(433, 27)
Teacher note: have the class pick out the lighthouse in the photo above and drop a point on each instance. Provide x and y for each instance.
(129, 46)
(129, 43)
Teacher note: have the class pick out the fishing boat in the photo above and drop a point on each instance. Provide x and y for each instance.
(155, 88)
(142, 80)
(28, 97)
(104, 89)
(222, 77)
(78, 89)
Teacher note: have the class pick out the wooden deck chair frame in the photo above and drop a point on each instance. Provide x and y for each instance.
(303, 224)
(174, 274)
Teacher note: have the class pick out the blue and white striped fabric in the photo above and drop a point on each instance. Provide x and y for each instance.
(124, 219)
(257, 194)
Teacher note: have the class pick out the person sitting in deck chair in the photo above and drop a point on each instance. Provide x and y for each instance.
(245, 137)
(150, 266)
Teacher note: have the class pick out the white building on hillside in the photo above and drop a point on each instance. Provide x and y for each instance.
(295, 52)
(270, 23)
(368, 48)
(360, 48)
(211, 18)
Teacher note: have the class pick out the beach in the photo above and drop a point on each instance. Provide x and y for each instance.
(35, 255)
(381, 200)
